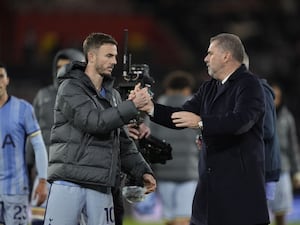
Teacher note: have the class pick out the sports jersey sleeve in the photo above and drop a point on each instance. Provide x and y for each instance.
(40, 153)
(33, 131)
(30, 121)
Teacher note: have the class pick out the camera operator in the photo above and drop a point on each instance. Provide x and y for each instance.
(153, 149)
(177, 179)
(138, 132)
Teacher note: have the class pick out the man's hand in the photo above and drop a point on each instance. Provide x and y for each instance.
(149, 183)
(41, 192)
(144, 130)
(138, 132)
(186, 119)
(141, 98)
(296, 180)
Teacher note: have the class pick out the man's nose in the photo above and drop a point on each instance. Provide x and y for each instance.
(205, 59)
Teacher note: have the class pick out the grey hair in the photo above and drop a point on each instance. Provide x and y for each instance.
(246, 60)
(231, 43)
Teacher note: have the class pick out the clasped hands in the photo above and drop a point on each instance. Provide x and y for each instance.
(143, 101)
(141, 98)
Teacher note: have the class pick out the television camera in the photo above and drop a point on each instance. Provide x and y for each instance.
(153, 149)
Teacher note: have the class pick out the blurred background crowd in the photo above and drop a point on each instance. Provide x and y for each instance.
(165, 34)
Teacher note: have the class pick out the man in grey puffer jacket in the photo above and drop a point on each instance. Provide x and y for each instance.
(88, 139)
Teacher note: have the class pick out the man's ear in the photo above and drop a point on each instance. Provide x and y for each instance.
(91, 56)
(227, 56)
(7, 83)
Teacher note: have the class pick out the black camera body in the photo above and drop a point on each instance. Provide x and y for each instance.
(153, 149)
(138, 73)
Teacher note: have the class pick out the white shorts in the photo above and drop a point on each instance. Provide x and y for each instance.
(67, 203)
(177, 198)
(283, 200)
(14, 209)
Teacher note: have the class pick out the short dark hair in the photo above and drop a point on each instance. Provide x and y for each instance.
(178, 80)
(95, 40)
(232, 43)
(2, 65)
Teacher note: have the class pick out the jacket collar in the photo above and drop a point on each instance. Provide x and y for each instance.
(75, 70)
(237, 72)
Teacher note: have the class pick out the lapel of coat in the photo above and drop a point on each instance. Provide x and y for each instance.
(221, 89)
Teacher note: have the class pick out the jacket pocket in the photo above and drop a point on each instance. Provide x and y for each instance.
(82, 150)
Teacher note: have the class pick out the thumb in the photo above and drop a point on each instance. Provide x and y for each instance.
(137, 87)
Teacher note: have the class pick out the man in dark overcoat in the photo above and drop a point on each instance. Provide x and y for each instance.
(229, 111)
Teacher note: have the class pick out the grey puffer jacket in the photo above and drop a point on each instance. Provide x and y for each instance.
(88, 139)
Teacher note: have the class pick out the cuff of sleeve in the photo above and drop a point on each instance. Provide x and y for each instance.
(127, 111)
(200, 124)
(151, 113)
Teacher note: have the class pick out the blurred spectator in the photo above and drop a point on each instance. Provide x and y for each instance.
(177, 179)
(43, 104)
(271, 142)
(290, 159)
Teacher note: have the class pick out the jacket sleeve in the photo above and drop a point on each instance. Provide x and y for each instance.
(79, 109)
(162, 115)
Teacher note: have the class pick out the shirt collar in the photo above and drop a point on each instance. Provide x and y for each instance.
(225, 79)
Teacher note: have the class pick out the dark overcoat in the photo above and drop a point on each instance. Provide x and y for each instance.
(231, 183)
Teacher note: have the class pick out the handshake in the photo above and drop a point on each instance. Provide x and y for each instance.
(141, 98)
(181, 119)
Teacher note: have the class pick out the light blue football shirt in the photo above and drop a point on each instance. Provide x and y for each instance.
(17, 121)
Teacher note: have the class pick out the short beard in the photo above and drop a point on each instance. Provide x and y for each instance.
(104, 75)
(99, 71)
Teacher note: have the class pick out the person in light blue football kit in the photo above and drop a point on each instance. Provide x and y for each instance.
(17, 122)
